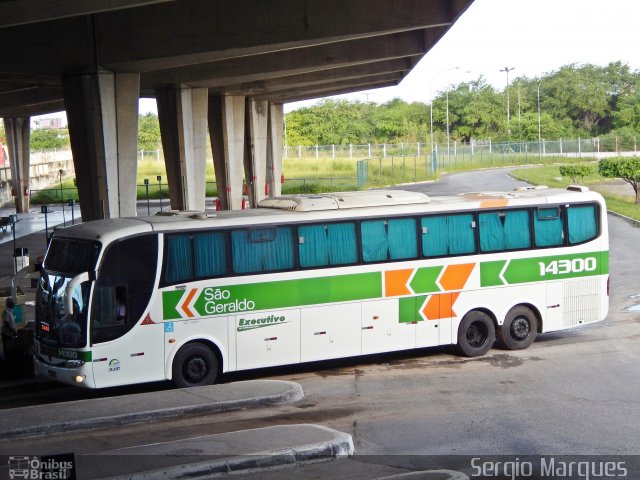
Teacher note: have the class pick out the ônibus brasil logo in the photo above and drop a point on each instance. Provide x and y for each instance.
(253, 323)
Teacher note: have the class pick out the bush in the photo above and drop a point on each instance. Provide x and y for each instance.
(576, 171)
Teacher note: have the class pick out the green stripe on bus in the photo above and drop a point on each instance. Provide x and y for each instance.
(409, 309)
(220, 300)
(280, 294)
(538, 269)
(424, 280)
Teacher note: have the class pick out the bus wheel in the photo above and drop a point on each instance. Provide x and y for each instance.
(519, 329)
(194, 365)
(476, 334)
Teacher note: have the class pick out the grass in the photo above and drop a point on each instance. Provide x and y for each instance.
(550, 175)
(307, 175)
(311, 175)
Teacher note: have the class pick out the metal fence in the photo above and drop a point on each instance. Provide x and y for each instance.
(565, 147)
(386, 164)
(413, 167)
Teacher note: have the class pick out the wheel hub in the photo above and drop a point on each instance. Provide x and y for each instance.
(520, 328)
(195, 369)
(476, 335)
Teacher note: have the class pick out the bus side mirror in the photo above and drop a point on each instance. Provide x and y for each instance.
(71, 286)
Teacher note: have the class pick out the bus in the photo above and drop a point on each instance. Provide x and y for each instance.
(186, 296)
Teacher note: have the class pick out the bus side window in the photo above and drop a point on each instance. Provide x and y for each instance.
(262, 250)
(109, 312)
(393, 239)
(123, 287)
(210, 254)
(447, 235)
(179, 258)
(548, 227)
(581, 220)
(506, 230)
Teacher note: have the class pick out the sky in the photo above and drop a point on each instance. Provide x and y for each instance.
(534, 37)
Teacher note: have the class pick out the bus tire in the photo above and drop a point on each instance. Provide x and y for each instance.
(519, 329)
(476, 334)
(194, 365)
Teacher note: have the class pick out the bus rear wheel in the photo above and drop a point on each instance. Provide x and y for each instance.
(194, 365)
(476, 334)
(519, 329)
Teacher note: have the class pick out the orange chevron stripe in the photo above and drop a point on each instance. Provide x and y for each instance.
(395, 282)
(456, 276)
(431, 309)
(185, 304)
(440, 306)
(494, 203)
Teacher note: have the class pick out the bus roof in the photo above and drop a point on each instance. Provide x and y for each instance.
(329, 206)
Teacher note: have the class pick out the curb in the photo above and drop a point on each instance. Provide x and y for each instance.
(292, 394)
(630, 220)
(341, 446)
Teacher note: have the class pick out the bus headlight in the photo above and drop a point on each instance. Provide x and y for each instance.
(74, 363)
(80, 378)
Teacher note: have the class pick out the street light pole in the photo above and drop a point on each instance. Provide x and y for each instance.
(448, 134)
(507, 70)
(539, 129)
(434, 162)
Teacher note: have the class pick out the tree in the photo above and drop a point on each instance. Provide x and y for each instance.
(626, 168)
(49, 139)
(148, 132)
(576, 171)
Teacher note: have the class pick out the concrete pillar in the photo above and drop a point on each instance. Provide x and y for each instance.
(102, 113)
(227, 132)
(18, 131)
(274, 151)
(182, 113)
(258, 116)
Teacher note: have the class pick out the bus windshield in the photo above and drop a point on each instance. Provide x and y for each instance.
(65, 259)
(53, 324)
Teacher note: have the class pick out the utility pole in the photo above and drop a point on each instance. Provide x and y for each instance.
(507, 70)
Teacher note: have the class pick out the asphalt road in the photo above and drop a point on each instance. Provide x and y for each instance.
(574, 393)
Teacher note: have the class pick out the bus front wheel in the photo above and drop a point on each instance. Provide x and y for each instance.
(476, 334)
(194, 365)
(519, 329)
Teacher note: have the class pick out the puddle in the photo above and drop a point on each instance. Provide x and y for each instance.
(636, 307)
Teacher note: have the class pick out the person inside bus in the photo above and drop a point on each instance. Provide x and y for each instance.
(121, 307)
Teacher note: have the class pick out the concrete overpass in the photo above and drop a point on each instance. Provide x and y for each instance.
(218, 67)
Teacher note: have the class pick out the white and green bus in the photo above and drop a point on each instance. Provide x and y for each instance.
(186, 296)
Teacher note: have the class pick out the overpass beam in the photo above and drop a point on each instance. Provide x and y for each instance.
(18, 132)
(102, 112)
(274, 150)
(182, 112)
(227, 132)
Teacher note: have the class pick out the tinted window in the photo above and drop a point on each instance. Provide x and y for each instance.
(548, 227)
(71, 256)
(447, 235)
(388, 239)
(327, 244)
(507, 230)
(582, 223)
(262, 249)
(124, 285)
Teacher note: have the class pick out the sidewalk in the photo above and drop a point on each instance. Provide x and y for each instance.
(143, 407)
